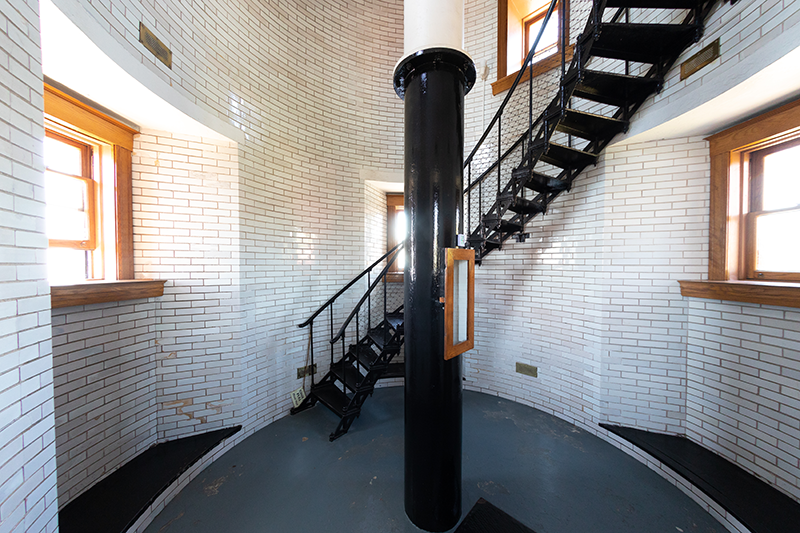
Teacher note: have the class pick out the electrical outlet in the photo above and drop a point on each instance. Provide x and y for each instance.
(304, 371)
(528, 370)
(298, 396)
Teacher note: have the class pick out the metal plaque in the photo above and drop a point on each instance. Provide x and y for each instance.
(702, 58)
(154, 44)
(528, 370)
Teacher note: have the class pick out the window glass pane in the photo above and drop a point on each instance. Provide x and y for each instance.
(66, 266)
(781, 186)
(775, 251)
(67, 207)
(549, 37)
(62, 157)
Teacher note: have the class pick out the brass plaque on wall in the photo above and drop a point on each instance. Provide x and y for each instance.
(154, 44)
(702, 58)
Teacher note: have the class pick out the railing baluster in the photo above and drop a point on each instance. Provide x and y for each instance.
(331, 334)
(627, 21)
(311, 340)
(344, 353)
(468, 227)
(499, 154)
(369, 303)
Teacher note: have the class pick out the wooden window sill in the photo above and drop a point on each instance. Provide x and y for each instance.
(540, 67)
(94, 292)
(756, 292)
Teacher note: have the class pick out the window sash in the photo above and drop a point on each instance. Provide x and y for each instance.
(752, 201)
(90, 243)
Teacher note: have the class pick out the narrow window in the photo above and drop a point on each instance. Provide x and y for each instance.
(71, 215)
(772, 221)
(519, 22)
(396, 233)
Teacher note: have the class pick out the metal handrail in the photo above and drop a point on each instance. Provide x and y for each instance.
(343, 289)
(357, 307)
(525, 64)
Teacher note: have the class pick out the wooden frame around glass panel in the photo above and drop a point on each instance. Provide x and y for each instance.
(452, 349)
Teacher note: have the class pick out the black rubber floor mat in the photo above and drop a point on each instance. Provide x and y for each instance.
(486, 518)
(117, 501)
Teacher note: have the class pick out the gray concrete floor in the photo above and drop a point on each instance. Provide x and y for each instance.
(546, 473)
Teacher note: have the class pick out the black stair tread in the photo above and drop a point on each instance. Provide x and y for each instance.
(756, 504)
(332, 397)
(527, 206)
(536, 181)
(644, 43)
(494, 222)
(614, 89)
(655, 4)
(381, 336)
(347, 374)
(486, 244)
(394, 370)
(589, 125)
(563, 156)
(365, 354)
(395, 320)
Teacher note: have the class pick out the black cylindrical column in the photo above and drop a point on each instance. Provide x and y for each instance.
(433, 83)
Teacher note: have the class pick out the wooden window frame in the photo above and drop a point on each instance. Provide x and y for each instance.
(74, 114)
(394, 203)
(752, 190)
(529, 21)
(90, 243)
(506, 80)
(729, 150)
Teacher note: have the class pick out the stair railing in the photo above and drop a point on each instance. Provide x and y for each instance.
(497, 120)
(367, 298)
(329, 305)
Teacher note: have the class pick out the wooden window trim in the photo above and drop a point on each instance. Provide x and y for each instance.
(76, 115)
(451, 256)
(724, 263)
(506, 80)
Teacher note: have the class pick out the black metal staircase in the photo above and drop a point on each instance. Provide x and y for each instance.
(617, 64)
(351, 378)
(596, 98)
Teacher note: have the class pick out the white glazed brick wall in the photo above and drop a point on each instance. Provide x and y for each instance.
(186, 230)
(104, 364)
(251, 252)
(539, 303)
(28, 497)
(743, 391)
(655, 233)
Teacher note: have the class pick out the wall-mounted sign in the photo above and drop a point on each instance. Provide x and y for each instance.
(154, 44)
